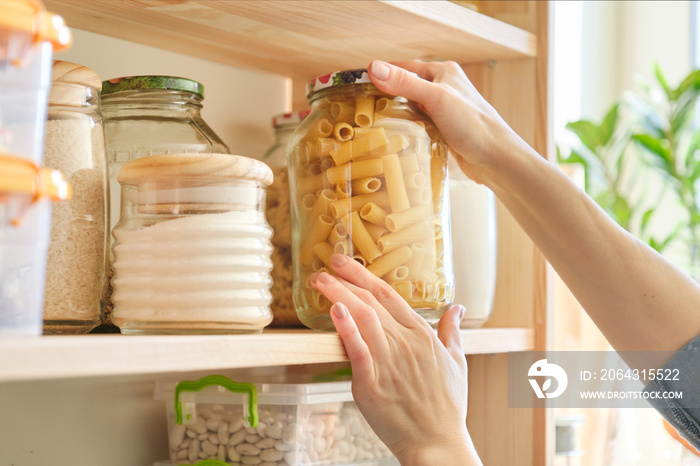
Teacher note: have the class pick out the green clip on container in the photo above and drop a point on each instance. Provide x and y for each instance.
(215, 418)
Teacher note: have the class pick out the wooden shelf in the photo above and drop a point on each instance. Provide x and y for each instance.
(303, 39)
(60, 357)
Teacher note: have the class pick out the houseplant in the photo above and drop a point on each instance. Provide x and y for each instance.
(642, 165)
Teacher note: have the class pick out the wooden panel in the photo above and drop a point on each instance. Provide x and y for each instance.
(99, 355)
(302, 39)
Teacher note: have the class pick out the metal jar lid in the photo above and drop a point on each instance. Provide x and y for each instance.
(337, 78)
(145, 83)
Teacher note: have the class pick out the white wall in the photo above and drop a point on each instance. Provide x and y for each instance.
(238, 104)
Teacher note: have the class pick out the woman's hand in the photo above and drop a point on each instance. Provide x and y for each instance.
(409, 382)
(475, 132)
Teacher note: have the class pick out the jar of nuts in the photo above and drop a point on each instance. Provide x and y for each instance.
(368, 178)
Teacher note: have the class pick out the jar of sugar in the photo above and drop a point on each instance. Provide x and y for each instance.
(75, 144)
(192, 247)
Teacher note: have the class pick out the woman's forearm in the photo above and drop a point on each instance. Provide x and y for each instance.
(637, 299)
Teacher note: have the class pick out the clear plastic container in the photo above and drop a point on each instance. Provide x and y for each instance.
(285, 424)
(25, 221)
(283, 311)
(368, 175)
(192, 247)
(76, 265)
(474, 246)
(151, 115)
(28, 35)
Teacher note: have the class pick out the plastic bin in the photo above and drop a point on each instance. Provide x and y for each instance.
(280, 424)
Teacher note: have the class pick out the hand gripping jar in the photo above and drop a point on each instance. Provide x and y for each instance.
(192, 246)
(368, 178)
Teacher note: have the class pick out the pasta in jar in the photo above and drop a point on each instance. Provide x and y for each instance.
(368, 179)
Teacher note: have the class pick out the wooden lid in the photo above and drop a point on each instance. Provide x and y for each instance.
(169, 166)
(67, 72)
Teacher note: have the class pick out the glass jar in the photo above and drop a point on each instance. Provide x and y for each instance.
(368, 175)
(473, 224)
(283, 311)
(74, 144)
(151, 115)
(192, 246)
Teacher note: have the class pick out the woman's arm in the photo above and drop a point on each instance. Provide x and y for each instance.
(636, 297)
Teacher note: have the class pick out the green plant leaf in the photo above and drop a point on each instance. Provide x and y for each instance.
(646, 217)
(662, 81)
(656, 147)
(690, 83)
(607, 127)
(589, 134)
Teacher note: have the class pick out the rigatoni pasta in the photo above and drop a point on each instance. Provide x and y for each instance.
(368, 172)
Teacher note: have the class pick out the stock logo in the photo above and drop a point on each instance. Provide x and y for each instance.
(542, 368)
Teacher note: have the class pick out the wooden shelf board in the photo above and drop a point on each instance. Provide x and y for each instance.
(57, 357)
(303, 39)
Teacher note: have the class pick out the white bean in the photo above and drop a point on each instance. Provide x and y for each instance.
(252, 438)
(177, 434)
(271, 455)
(233, 455)
(265, 443)
(260, 429)
(236, 425)
(247, 449)
(193, 452)
(209, 448)
(237, 438)
(221, 453)
(199, 426)
(223, 433)
(251, 460)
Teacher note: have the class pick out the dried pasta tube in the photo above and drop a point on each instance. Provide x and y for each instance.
(404, 288)
(343, 131)
(354, 170)
(338, 233)
(399, 273)
(324, 146)
(321, 128)
(375, 231)
(342, 207)
(401, 220)
(366, 185)
(311, 184)
(362, 239)
(413, 234)
(415, 180)
(324, 251)
(396, 144)
(372, 213)
(420, 196)
(308, 202)
(383, 104)
(360, 259)
(340, 192)
(366, 141)
(343, 247)
(343, 111)
(315, 169)
(415, 265)
(326, 163)
(322, 205)
(409, 163)
(317, 264)
(395, 185)
(319, 232)
(386, 263)
(364, 110)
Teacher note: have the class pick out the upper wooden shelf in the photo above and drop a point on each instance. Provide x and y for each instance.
(303, 39)
(60, 357)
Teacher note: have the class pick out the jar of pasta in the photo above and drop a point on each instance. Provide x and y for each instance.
(368, 178)
(192, 246)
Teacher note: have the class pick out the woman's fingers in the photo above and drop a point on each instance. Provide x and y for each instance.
(448, 331)
(389, 299)
(356, 348)
(364, 315)
(399, 81)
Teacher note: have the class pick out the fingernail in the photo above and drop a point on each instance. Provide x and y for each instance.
(380, 70)
(462, 310)
(313, 277)
(325, 278)
(339, 260)
(339, 310)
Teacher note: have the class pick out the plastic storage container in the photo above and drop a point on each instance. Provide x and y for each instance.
(25, 215)
(192, 248)
(76, 267)
(368, 175)
(284, 424)
(474, 246)
(283, 311)
(28, 34)
(151, 115)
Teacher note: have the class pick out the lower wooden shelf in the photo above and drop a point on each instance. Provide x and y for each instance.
(60, 357)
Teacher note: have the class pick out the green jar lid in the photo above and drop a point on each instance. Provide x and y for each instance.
(135, 83)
